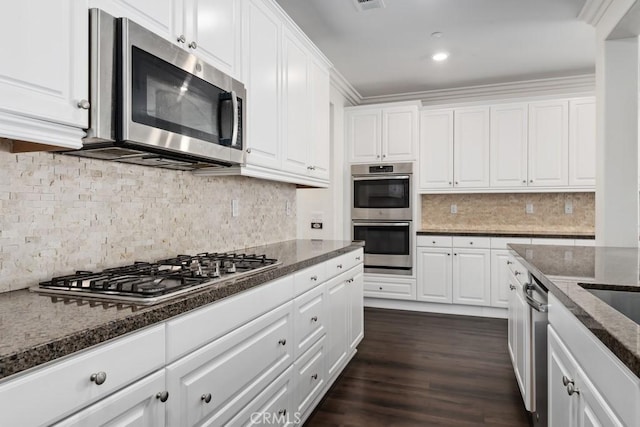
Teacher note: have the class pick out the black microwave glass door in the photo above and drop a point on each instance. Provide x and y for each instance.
(381, 193)
(383, 239)
(167, 97)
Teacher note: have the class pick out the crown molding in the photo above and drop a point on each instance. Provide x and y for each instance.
(344, 87)
(581, 84)
(593, 11)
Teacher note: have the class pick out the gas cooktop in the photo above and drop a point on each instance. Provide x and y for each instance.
(144, 283)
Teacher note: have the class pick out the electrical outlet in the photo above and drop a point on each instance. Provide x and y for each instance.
(234, 207)
(287, 208)
(454, 209)
(529, 208)
(568, 207)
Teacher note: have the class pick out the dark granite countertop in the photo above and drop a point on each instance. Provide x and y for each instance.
(505, 233)
(563, 268)
(35, 330)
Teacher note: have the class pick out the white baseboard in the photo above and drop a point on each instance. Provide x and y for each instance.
(429, 307)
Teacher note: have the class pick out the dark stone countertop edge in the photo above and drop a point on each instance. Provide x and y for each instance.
(525, 234)
(34, 357)
(626, 355)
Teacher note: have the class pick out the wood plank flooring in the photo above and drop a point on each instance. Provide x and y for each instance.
(419, 369)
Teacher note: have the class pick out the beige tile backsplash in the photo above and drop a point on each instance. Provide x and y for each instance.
(506, 212)
(62, 213)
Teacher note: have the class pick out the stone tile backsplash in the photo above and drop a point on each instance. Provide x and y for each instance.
(62, 213)
(506, 212)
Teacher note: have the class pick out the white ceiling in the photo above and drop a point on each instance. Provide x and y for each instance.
(388, 51)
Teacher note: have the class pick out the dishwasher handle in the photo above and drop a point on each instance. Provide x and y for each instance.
(536, 305)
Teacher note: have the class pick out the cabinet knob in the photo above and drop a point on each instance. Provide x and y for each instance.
(193, 45)
(282, 342)
(314, 319)
(571, 389)
(509, 262)
(380, 288)
(516, 273)
(182, 39)
(314, 376)
(524, 181)
(84, 104)
(248, 150)
(455, 254)
(357, 258)
(282, 412)
(530, 180)
(206, 398)
(314, 278)
(450, 182)
(384, 155)
(378, 156)
(471, 243)
(456, 182)
(339, 265)
(511, 287)
(448, 254)
(163, 396)
(98, 378)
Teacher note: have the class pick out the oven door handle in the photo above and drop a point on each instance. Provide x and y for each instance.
(536, 305)
(382, 224)
(380, 177)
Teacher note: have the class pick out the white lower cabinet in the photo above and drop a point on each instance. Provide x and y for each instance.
(311, 376)
(338, 323)
(471, 276)
(141, 404)
(356, 309)
(435, 274)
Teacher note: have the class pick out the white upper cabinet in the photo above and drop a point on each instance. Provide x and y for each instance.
(388, 134)
(159, 16)
(320, 156)
(399, 134)
(363, 135)
(471, 148)
(44, 70)
(509, 146)
(549, 144)
(262, 77)
(436, 149)
(582, 142)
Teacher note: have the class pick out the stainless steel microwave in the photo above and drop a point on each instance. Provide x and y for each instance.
(155, 104)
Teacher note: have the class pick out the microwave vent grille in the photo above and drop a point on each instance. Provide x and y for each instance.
(364, 5)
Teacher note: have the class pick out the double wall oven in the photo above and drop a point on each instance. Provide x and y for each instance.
(382, 216)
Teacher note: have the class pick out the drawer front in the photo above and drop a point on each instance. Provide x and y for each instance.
(63, 387)
(192, 330)
(311, 376)
(555, 242)
(435, 241)
(472, 242)
(344, 262)
(309, 322)
(272, 407)
(502, 242)
(403, 291)
(215, 382)
(310, 278)
(519, 272)
(585, 242)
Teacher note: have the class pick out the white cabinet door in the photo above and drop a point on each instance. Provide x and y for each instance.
(511, 324)
(509, 146)
(44, 69)
(262, 71)
(310, 377)
(356, 310)
(471, 276)
(137, 405)
(338, 323)
(436, 149)
(363, 135)
(548, 144)
(471, 153)
(562, 408)
(434, 274)
(522, 323)
(399, 133)
(593, 410)
(309, 321)
(319, 153)
(212, 31)
(296, 106)
(500, 278)
(582, 142)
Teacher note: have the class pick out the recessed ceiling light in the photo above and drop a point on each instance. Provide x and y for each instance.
(440, 56)
(437, 34)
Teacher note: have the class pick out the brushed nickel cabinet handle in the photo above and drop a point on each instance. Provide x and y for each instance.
(206, 398)
(314, 376)
(193, 45)
(84, 104)
(182, 39)
(282, 342)
(163, 396)
(314, 278)
(511, 287)
(98, 378)
(314, 319)
(571, 389)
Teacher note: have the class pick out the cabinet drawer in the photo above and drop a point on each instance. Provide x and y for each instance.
(272, 407)
(309, 322)
(215, 382)
(435, 241)
(310, 376)
(194, 329)
(502, 242)
(64, 387)
(519, 272)
(471, 242)
(398, 290)
(310, 278)
(344, 262)
(555, 242)
(585, 242)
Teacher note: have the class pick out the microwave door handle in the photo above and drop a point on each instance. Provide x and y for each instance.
(236, 123)
(381, 224)
(379, 177)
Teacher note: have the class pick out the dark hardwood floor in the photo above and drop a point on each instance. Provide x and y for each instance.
(419, 369)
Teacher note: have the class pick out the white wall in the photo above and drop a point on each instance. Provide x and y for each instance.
(328, 203)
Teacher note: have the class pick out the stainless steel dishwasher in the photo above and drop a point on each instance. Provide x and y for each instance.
(536, 296)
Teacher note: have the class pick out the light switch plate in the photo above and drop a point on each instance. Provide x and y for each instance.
(568, 207)
(529, 208)
(454, 208)
(234, 207)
